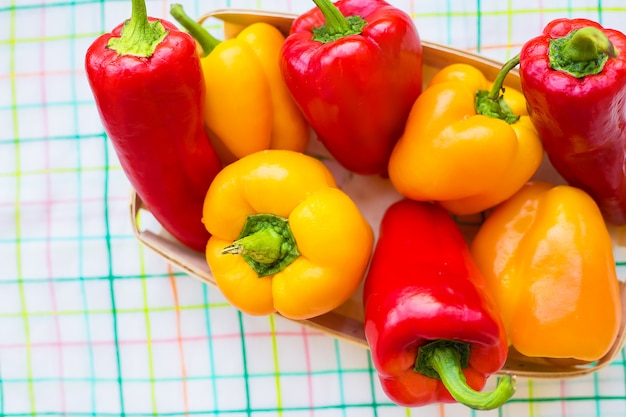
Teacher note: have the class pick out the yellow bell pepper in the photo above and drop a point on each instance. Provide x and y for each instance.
(456, 153)
(547, 257)
(248, 106)
(284, 238)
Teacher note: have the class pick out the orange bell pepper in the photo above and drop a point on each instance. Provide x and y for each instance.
(547, 257)
(459, 154)
(284, 237)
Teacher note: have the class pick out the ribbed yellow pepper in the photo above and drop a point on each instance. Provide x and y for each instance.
(248, 106)
(459, 155)
(284, 237)
(547, 257)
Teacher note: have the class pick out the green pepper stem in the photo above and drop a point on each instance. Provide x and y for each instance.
(447, 359)
(336, 25)
(263, 246)
(491, 103)
(266, 243)
(206, 41)
(335, 21)
(139, 36)
(582, 52)
(498, 82)
(586, 43)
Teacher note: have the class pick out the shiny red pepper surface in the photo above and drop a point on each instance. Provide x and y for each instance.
(581, 118)
(150, 104)
(355, 86)
(423, 286)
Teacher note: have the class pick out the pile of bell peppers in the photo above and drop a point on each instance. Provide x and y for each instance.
(442, 311)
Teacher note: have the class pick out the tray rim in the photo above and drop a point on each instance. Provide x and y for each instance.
(167, 247)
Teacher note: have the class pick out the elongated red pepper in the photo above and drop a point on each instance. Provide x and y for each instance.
(574, 79)
(434, 332)
(149, 90)
(354, 68)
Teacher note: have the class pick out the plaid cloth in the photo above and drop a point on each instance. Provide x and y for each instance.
(94, 324)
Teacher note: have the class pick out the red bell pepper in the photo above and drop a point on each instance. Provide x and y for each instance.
(435, 334)
(149, 90)
(574, 78)
(354, 68)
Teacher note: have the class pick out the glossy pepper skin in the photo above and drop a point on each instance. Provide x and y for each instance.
(354, 68)
(248, 106)
(149, 91)
(581, 117)
(453, 153)
(422, 287)
(548, 260)
(284, 238)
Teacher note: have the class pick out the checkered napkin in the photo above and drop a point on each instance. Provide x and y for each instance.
(94, 324)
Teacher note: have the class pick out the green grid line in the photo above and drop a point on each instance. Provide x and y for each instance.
(2, 382)
(257, 375)
(109, 256)
(137, 310)
(207, 323)
(50, 38)
(81, 252)
(97, 278)
(596, 388)
(341, 372)
(39, 172)
(373, 381)
(279, 401)
(623, 364)
(509, 34)
(19, 258)
(146, 315)
(479, 37)
(244, 357)
(517, 11)
(47, 105)
(59, 138)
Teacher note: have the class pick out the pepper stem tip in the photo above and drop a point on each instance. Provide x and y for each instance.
(336, 25)
(587, 42)
(206, 41)
(139, 36)
(445, 359)
(266, 243)
(491, 103)
(583, 52)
